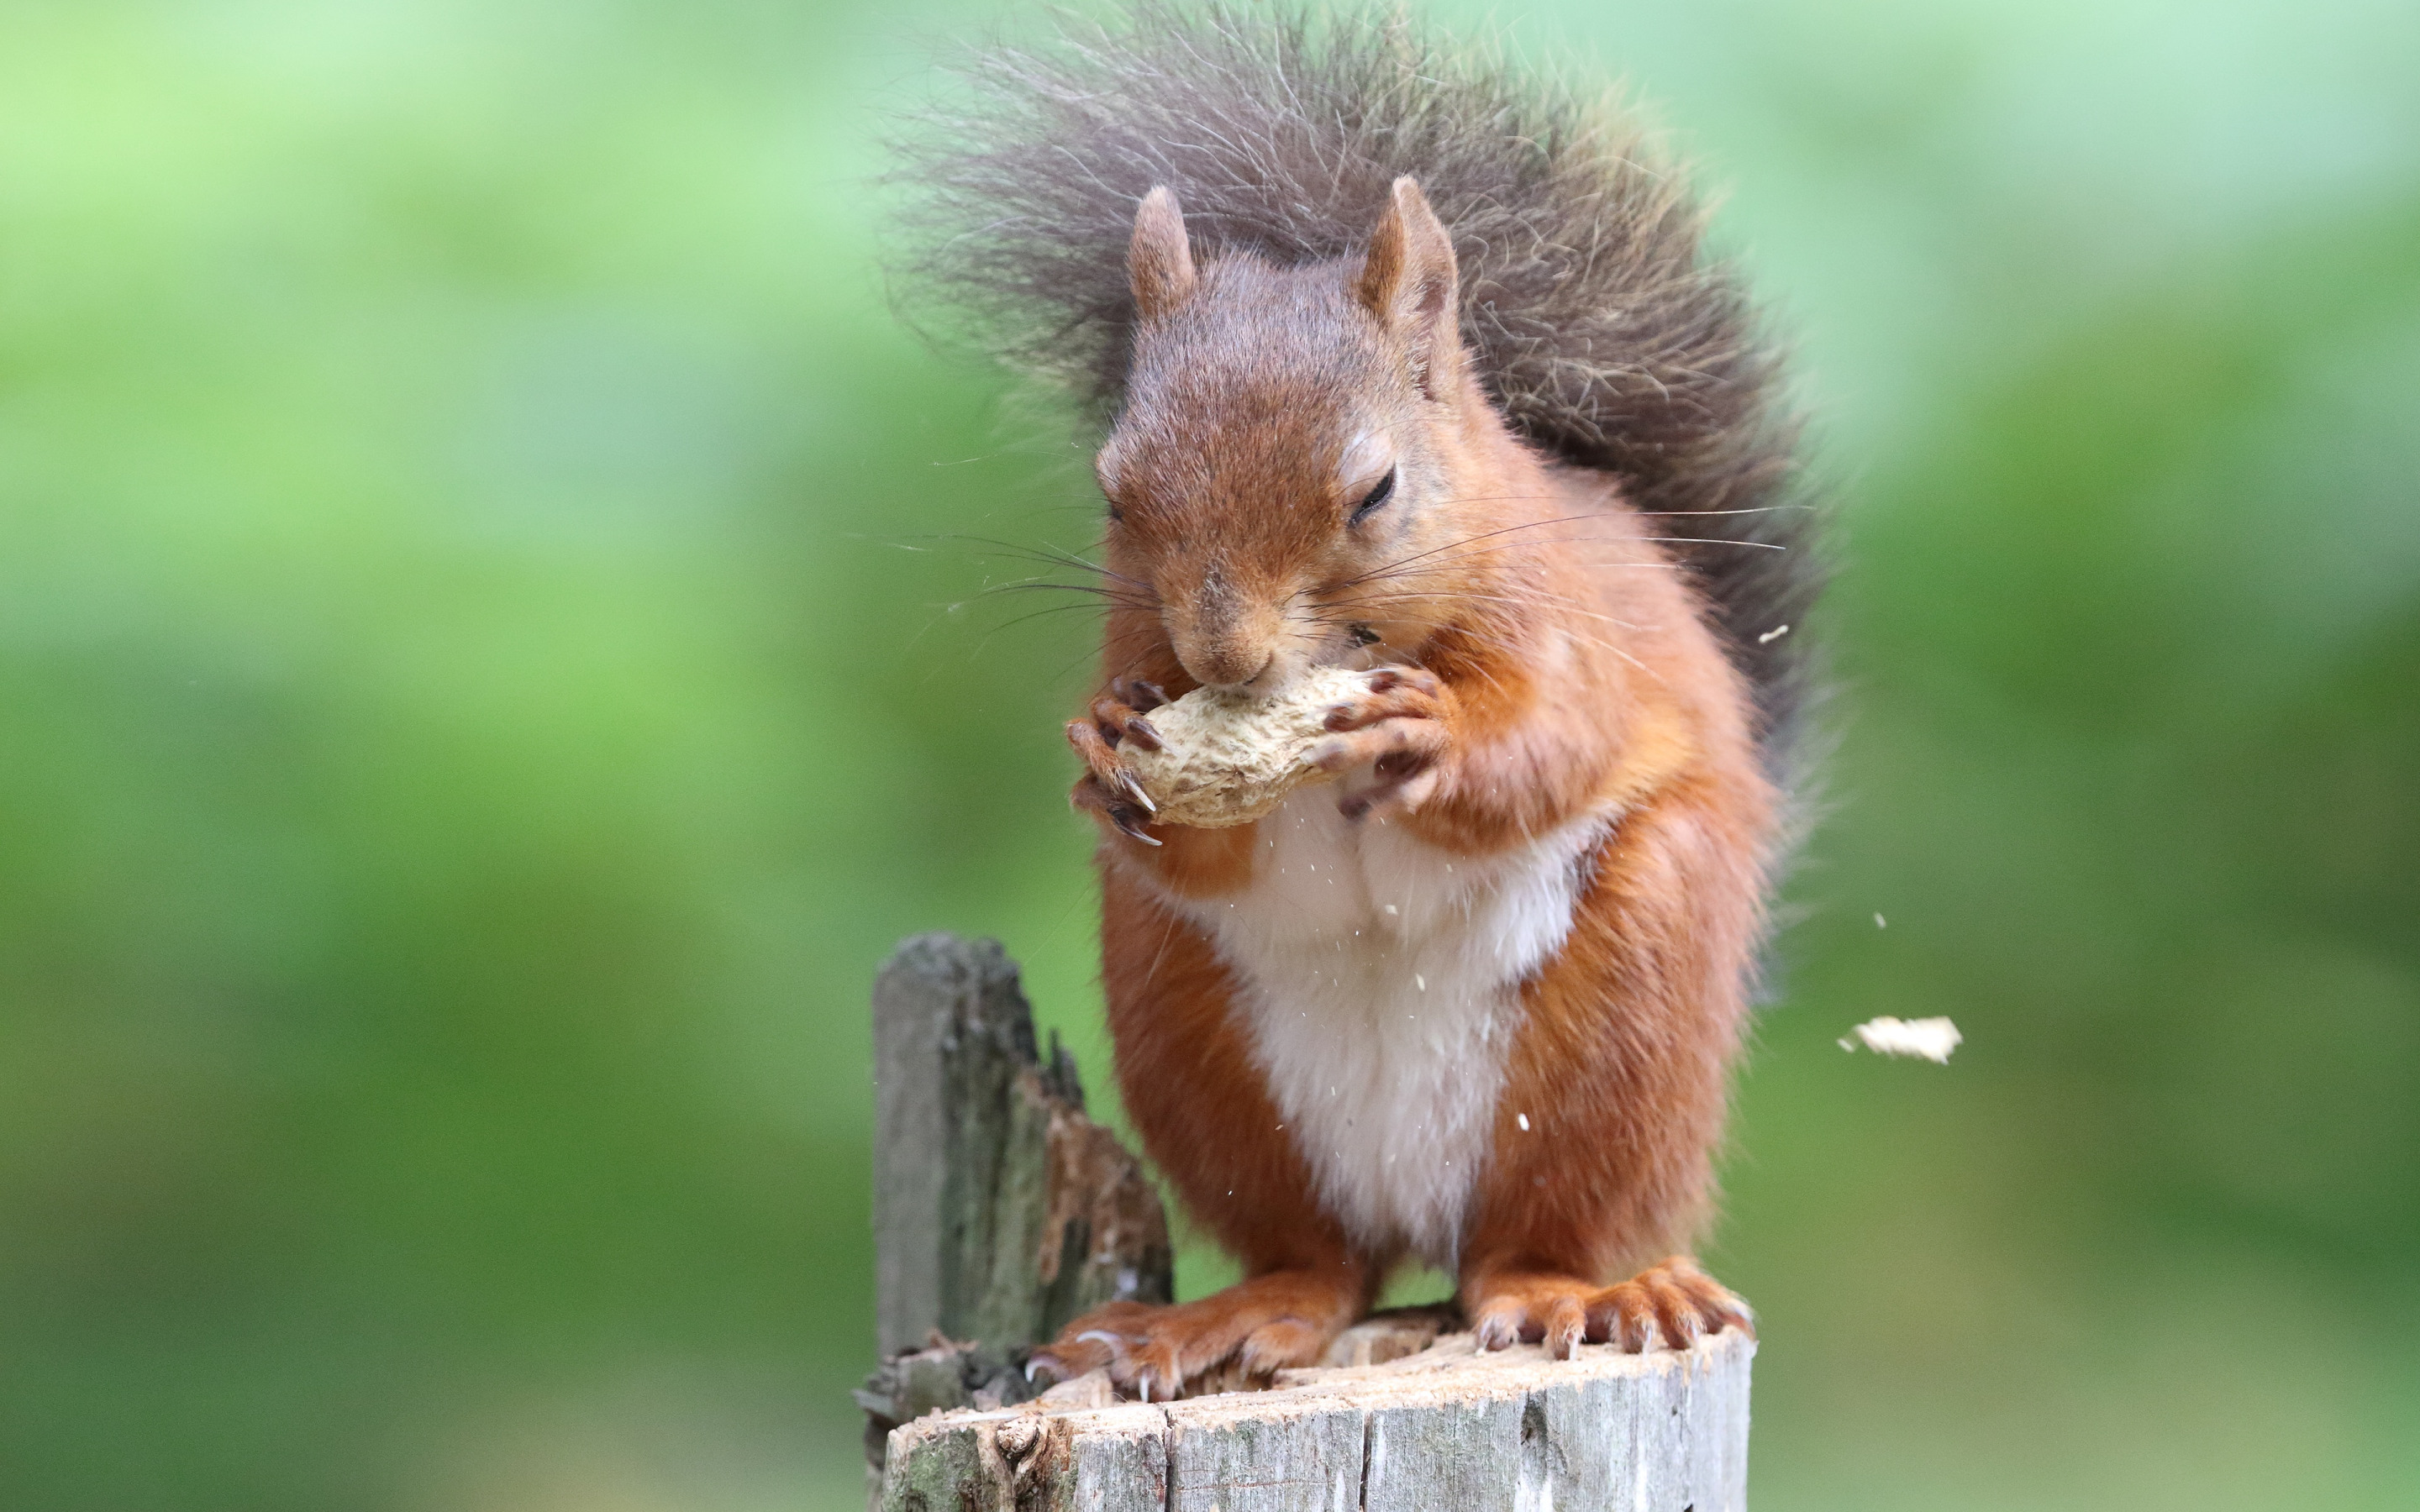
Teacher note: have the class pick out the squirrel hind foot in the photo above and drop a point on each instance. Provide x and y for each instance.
(1671, 1305)
(1237, 1338)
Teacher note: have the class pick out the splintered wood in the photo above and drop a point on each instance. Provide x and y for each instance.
(1000, 1209)
(1447, 1427)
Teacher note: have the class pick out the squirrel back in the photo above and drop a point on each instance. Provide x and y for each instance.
(1595, 321)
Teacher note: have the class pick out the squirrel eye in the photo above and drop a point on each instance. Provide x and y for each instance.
(1375, 497)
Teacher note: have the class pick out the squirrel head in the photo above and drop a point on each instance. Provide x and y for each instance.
(1289, 468)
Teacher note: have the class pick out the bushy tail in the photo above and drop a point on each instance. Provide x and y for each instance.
(1603, 331)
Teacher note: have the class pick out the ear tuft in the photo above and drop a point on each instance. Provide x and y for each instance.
(1408, 281)
(1159, 262)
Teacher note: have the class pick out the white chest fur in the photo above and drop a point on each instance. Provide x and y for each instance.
(1378, 979)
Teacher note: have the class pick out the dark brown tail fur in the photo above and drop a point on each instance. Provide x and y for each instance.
(1602, 329)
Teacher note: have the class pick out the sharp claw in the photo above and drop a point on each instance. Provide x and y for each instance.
(1146, 1390)
(1142, 733)
(1132, 787)
(1158, 695)
(1130, 823)
(1115, 1343)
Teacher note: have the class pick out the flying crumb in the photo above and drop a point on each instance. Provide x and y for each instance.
(1773, 635)
(1227, 758)
(1933, 1038)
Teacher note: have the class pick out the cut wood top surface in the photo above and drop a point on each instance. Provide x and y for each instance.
(1452, 1369)
(1449, 1426)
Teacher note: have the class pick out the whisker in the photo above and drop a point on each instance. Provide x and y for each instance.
(1055, 608)
(1594, 515)
(1097, 596)
(1562, 600)
(1043, 585)
(1404, 567)
(1483, 535)
(1053, 555)
(1472, 549)
(1695, 514)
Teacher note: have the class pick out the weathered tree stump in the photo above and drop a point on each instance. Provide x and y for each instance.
(1447, 1428)
(1000, 1209)
(1000, 1212)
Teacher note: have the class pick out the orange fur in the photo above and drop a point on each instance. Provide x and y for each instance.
(1552, 667)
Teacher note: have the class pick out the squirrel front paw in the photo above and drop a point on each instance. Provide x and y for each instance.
(1401, 728)
(1109, 786)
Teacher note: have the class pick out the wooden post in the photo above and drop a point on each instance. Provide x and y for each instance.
(1000, 1209)
(1000, 1212)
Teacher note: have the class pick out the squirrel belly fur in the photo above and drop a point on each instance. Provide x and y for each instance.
(1410, 364)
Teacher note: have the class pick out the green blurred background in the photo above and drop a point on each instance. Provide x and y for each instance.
(479, 694)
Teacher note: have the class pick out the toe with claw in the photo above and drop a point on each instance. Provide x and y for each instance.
(1109, 786)
(1400, 731)
(1157, 1353)
(1667, 1305)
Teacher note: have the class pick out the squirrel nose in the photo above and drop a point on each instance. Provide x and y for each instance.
(1227, 665)
(1225, 636)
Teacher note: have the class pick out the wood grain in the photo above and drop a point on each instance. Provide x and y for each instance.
(1449, 1426)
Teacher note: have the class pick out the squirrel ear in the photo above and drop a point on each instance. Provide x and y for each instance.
(1408, 279)
(1159, 264)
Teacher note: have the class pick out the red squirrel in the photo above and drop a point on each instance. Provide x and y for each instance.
(1411, 364)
